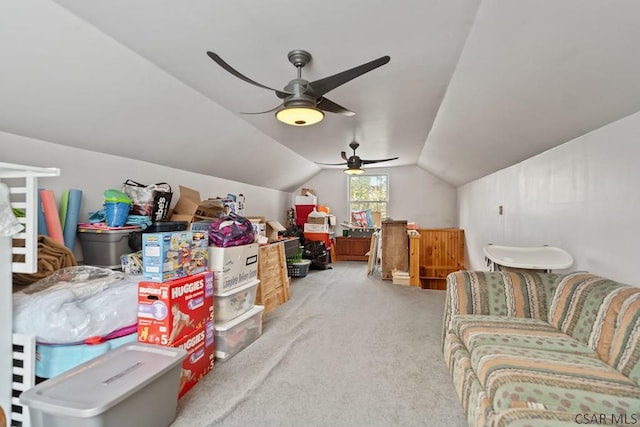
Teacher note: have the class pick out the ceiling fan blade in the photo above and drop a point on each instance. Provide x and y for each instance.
(344, 155)
(268, 111)
(322, 86)
(216, 58)
(368, 162)
(330, 106)
(330, 164)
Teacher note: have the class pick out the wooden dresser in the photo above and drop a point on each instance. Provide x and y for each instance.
(352, 248)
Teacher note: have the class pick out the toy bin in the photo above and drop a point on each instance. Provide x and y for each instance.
(134, 385)
(231, 304)
(103, 246)
(54, 359)
(233, 336)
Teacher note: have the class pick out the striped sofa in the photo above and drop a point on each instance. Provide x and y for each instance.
(543, 349)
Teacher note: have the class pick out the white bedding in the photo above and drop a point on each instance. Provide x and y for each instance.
(71, 308)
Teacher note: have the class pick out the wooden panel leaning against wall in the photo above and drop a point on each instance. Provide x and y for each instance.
(395, 248)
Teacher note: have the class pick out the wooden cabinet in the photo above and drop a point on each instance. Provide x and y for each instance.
(352, 248)
(395, 248)
(440, 252)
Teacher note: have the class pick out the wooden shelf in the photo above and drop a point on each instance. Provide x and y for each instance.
(352, 248)
(440, 251)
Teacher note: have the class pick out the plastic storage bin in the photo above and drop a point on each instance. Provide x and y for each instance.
(233, 336)
(54, 359)
(298, 268)
(302, 212)
(102, 247)
(133, 385)
(291, 246)
(237, 301)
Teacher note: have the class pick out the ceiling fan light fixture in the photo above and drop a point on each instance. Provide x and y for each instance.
(299, 116)
(354, 171)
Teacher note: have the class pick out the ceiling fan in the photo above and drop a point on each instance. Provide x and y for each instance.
(354, 162)
(303, 102)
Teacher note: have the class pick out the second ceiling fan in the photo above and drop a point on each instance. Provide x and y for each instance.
(354, 163)
(303, 102)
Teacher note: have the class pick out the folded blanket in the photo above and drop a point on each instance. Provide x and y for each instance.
(52, 256)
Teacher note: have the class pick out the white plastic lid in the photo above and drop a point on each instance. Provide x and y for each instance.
(101, 383)
(223, 327)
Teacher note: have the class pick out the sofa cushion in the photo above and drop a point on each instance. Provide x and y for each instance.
(475, 331)
(533, 416)
(624, 351)
(501, 293)
(577, 307)
(474, 400)
(557, 381)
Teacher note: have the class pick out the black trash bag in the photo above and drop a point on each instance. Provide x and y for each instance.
(314, 250)
(317, 252)
(294, 231)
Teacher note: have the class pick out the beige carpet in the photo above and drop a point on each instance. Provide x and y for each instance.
(345, 350)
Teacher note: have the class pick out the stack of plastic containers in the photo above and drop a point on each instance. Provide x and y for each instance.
(238, 321)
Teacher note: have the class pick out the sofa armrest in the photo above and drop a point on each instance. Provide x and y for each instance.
(498, 293)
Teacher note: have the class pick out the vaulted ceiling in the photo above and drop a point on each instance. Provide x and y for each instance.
(472, 86)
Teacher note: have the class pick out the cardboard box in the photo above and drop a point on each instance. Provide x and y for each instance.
(166, 256)
(319, 219)
(233, 266)
(273, 228)
(259, 225)
(316, 228)
(200, 348)
(199, 252)
(191, 208)
(169, 311)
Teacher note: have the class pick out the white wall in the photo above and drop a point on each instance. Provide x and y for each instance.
(582, 196)
(414, 195)
(94, 172)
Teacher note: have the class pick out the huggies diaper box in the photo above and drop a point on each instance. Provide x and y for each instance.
(233, 266)
(200, 347)
(166, 256)
(171, 310)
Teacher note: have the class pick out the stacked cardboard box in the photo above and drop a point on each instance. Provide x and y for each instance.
(191, 208)
(176, 299)
(180, 313)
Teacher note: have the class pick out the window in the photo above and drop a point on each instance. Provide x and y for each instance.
(369, 192)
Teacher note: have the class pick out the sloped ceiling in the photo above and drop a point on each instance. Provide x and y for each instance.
(472, 86)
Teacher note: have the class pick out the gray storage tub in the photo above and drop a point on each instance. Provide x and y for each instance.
(103, 247)
(134, 385)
